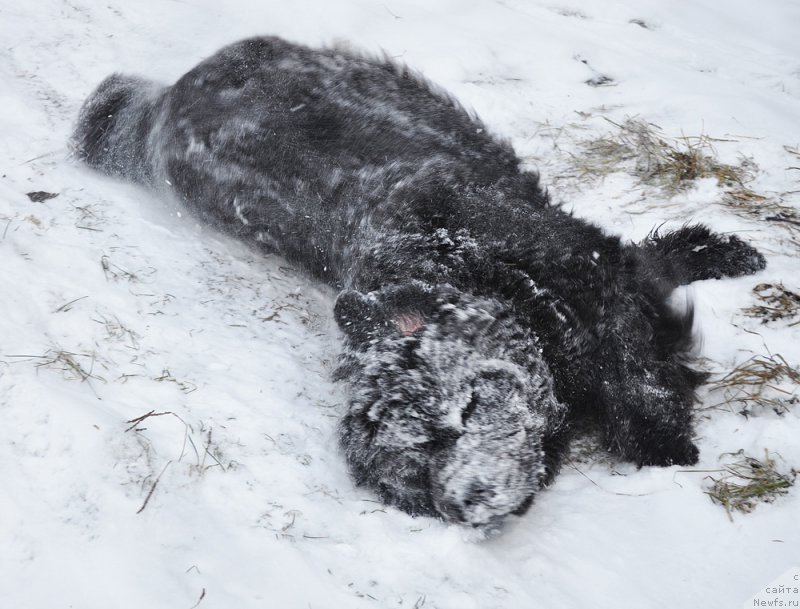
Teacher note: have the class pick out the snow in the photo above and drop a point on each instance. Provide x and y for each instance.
(231, 351)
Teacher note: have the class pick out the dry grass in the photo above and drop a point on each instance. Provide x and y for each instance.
(112, 271)
(749, 481)
(777, 303)
(87, 218)
(760, 381)
(116, 273)
(116, 330)
(773, 210)
(184, 386)
(209, 449)
(76, 366)
(641, 149)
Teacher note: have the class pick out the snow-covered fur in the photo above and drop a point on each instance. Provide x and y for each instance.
(480, 322)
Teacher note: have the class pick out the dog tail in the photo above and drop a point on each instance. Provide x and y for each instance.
(694, 252)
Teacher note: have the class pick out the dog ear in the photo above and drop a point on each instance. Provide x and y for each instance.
(402, 309)
(359, 316)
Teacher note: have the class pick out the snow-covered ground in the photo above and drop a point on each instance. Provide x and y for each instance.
(232, 494)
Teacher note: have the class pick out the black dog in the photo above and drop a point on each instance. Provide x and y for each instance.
(479, 320)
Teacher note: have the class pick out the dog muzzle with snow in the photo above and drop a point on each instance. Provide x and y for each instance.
(450, 402)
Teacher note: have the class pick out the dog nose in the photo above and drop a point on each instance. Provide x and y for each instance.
(477, 494)
(465, 509)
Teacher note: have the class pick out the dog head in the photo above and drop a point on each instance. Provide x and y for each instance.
(450, 401)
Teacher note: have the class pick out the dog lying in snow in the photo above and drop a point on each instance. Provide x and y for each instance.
(480, 322)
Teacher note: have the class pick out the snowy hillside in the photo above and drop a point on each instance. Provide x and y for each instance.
(168, 433)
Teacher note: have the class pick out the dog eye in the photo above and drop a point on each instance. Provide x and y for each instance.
(470, 408)
(445, 435)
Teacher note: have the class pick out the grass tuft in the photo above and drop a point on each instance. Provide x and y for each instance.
(640, 149)
(184, 386)
(657, 160)
(773, 210)
(74, 365)
(760, 381)
(777, 303)
(749, 481)
(210, 449)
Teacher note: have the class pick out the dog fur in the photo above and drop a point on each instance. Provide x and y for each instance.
(480, 323)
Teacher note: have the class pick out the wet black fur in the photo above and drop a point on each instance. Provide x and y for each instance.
(479, 320)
